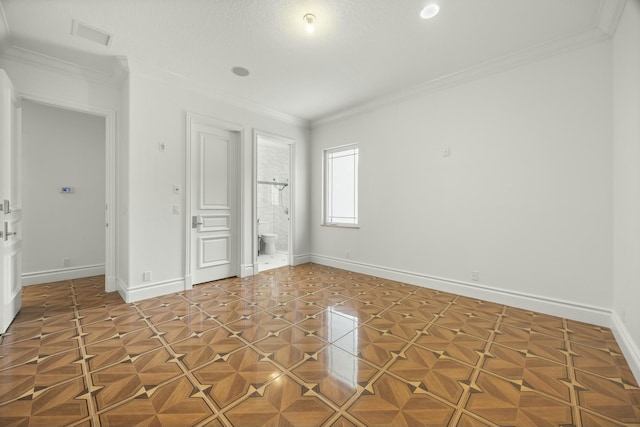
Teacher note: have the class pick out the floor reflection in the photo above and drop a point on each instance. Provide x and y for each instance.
(343, 365)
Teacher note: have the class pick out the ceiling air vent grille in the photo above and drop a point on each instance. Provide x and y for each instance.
(91, 33)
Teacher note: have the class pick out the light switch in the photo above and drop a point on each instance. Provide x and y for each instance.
(176, 189)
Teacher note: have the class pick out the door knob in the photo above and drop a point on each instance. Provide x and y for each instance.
(194, 222)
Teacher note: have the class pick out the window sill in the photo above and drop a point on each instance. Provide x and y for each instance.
(341, 225)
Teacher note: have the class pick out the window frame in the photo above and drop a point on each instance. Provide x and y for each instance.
(327, 187)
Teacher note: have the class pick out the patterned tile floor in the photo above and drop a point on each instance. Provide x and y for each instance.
(277, 260)
(304, 346)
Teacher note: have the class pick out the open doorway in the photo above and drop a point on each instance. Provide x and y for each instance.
(64, 193)
(274, 201)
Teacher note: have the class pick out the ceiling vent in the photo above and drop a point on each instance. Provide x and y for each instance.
(91, 33)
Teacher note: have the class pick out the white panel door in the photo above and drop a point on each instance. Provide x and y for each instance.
(11, 215)
(214, 201)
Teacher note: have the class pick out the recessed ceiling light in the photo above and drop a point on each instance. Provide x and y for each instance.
(430, 11)
(240, 71)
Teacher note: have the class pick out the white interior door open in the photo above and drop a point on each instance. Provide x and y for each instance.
(214, 203)
(11, 214)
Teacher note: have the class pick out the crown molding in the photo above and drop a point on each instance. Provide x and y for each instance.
(5, 33)
(5, 23)
(255, 107)
(609, 15)
(156, 73)
(122, 67)
(111, 78)
(602, 29)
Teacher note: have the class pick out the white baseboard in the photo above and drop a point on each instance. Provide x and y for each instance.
(121, 287)
(570, 310)
(629, 348)
(110, 284)
(247, 270)
(301, 259)
(150, 290)
(60, 274)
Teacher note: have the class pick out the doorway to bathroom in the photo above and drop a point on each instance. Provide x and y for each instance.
(273, 201)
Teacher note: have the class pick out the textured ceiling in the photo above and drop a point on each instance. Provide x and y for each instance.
(361, 49)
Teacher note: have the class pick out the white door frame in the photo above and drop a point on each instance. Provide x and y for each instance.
(292, 193)
(10, 280)
(191, 119)
(110, 174)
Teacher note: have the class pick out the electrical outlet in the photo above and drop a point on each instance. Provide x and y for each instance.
(146, 276)
(176, 209)
(66, 262)
(623, 316)
(475, 276)
(347, 255)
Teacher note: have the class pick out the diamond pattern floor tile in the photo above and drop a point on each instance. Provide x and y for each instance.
(230, 378)
(509, 403)
(283, 402)
(431, 372)
(304, 346)
(207, 346)
(335, 374)
(290, 346)
(392, 402)
(172, 404)
(124, 380)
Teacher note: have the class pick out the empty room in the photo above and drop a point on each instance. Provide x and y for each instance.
(320, 213)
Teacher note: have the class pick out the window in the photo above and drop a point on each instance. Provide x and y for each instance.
(341, 185)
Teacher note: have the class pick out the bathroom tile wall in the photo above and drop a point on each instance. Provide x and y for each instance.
(273, 163)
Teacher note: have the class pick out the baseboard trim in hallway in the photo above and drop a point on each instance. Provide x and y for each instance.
(57, 275)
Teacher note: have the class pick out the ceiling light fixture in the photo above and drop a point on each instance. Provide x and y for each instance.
(430, 11)
(240, 71)
(310, 20)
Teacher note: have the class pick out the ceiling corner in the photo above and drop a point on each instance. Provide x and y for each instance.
(609, 15)
(5, 34)
(5, 23)
(120, 69)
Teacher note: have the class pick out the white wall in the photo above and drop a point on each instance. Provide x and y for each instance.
(626, 167)
(524, 198)
(62, 148)
(122, 185)
(156, 235)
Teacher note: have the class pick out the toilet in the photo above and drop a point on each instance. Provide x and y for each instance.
(269, 239)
